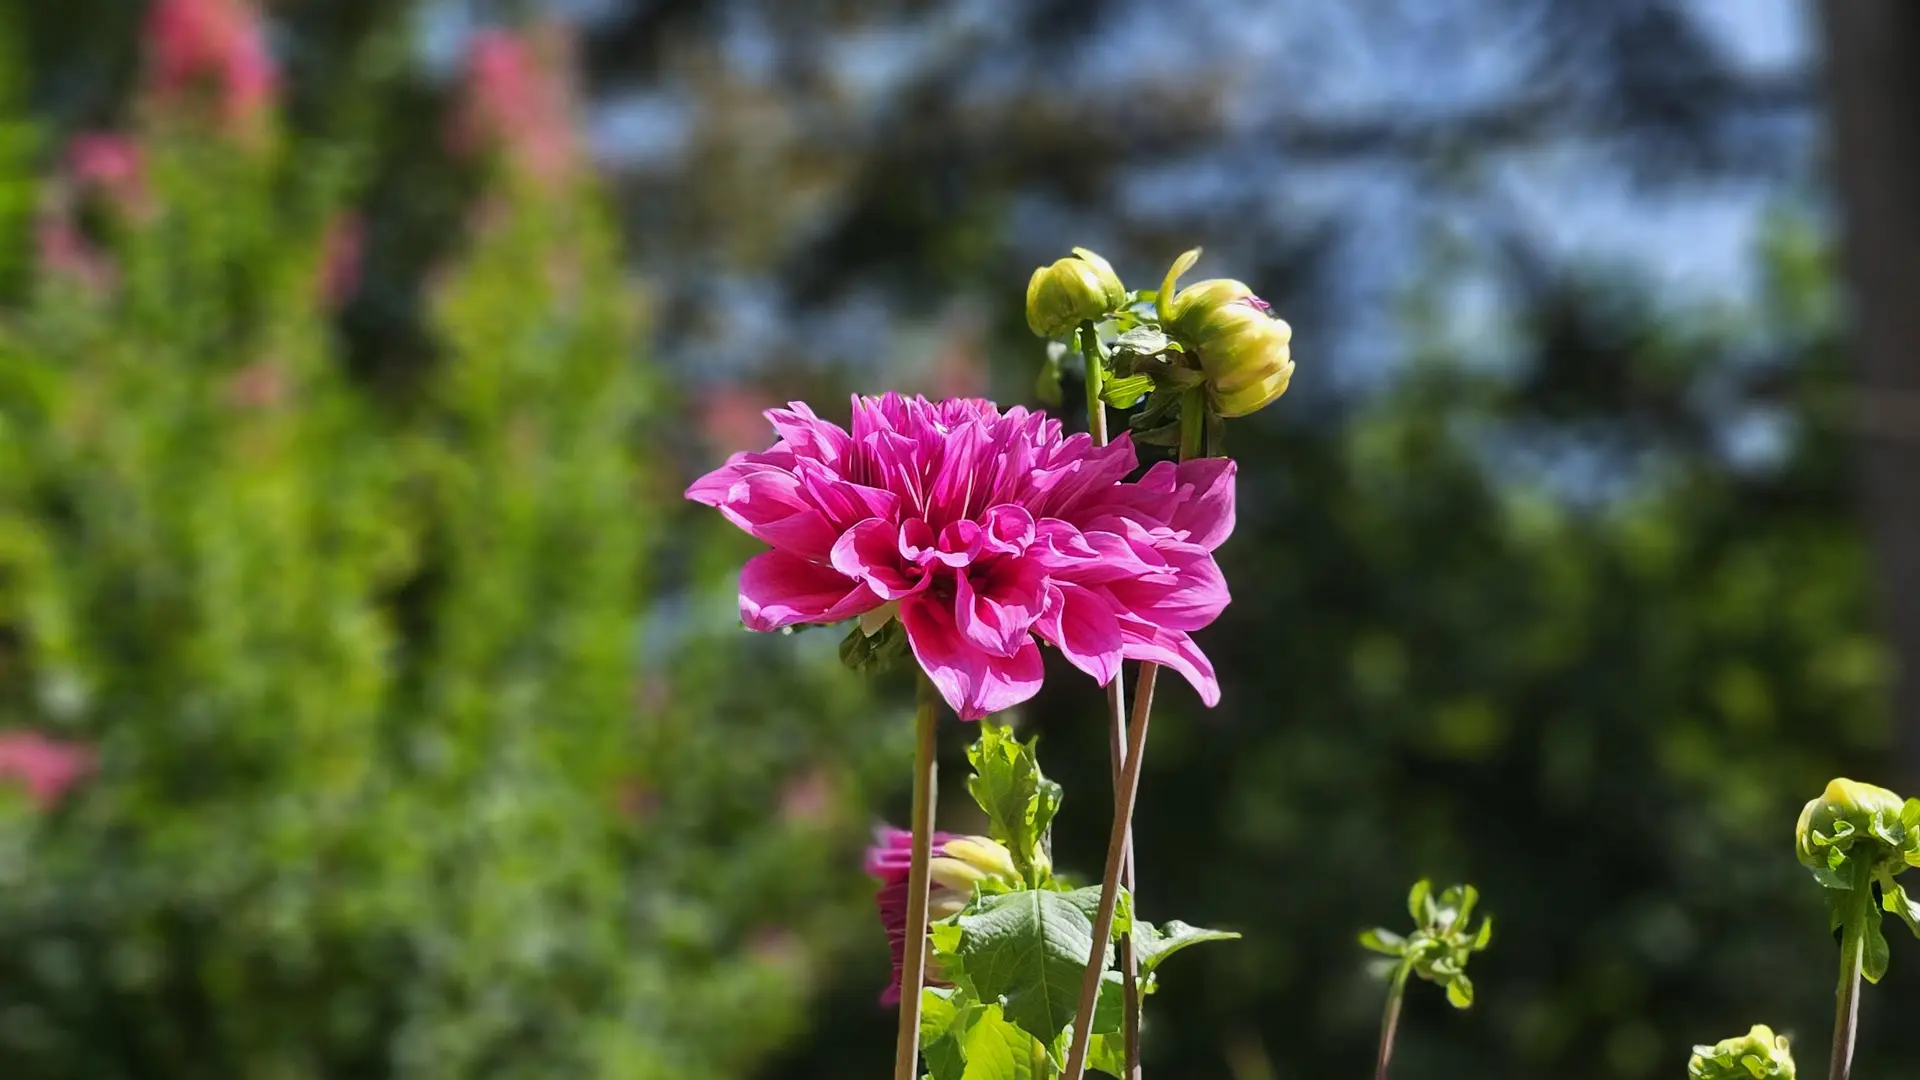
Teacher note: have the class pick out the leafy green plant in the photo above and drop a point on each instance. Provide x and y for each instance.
(1437, 951)
(1856, 838)
(1014, 956)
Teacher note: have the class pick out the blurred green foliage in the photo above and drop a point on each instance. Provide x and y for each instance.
(408, 766)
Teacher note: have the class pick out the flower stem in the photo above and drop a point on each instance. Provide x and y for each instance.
(1096, 382)
(1117, 711)
(1390, 1020)
(1124, 795)
(913, 967)
(1193, 423)
(1846, 1018)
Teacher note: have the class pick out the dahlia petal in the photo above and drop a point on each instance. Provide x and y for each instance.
(1007, 529)
(1079, 471)
(769, 504)
(1207, 514)
(870, 552)
(973, 682)
(1188, 599)
(1170, 648)
(808, 436)
(778, 588)
(995, 605)
(843, 502)
(1082, 625)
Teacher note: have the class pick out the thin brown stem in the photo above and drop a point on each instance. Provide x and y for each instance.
(913, 967)
(1124, 795)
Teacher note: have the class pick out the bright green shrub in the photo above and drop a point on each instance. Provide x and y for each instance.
(394, 778)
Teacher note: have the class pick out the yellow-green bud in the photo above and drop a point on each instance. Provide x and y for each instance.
(1245, 352)
(1851, 820)
(964, 862)
(1757, 1055)
(1073, 290)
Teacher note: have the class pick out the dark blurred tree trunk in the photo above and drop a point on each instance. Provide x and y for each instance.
(1873, 73)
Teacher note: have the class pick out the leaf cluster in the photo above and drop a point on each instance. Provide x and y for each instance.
(1016, 957)
(1442, 941)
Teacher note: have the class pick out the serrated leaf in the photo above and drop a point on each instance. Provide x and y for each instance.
(1460, 991)
(998, 1050)
(1029, 949)
(1383, 941)
(1152, 945)
(943, 1027)
(1020, 802)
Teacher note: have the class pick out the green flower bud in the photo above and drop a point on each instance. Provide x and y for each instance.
(1857, 823)
(1757, 1055)
(1071, 291)
(1244, 351)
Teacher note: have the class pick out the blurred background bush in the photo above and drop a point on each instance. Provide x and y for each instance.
(371, 707)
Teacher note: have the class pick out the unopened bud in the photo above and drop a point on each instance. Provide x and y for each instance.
(1852, 821)
(1071, 291)
(1245, 352)
(1757, 1055)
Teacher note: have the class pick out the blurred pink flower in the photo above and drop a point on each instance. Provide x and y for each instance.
(807, 799)
(110, 163)
(214, 45)
(46, 767)
(733, 418)
(991, 532)
(259, 385)
(518, 102)
(341, 250)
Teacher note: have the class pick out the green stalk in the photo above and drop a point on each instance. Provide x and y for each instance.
(1846, 1020)
(1096, 383)
(1193, 423)
(1390, 1020)
(913, 968)
(1117, 715)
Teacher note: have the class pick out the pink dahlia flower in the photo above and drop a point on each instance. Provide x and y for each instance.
(991, 532)
(959, 863)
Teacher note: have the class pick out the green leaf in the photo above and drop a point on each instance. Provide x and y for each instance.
(1152, 944)
(1485, 936)
(1108, 1054)
(944, 1022)
(1110, 1009)
(1417, 902)
(1894, 898)
(1125, 392)
(1019, 800)
(1029, 950)
(1384, 941)
(997, 1050)
(1460, 991)
(1142, 341)
(1874, 961)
